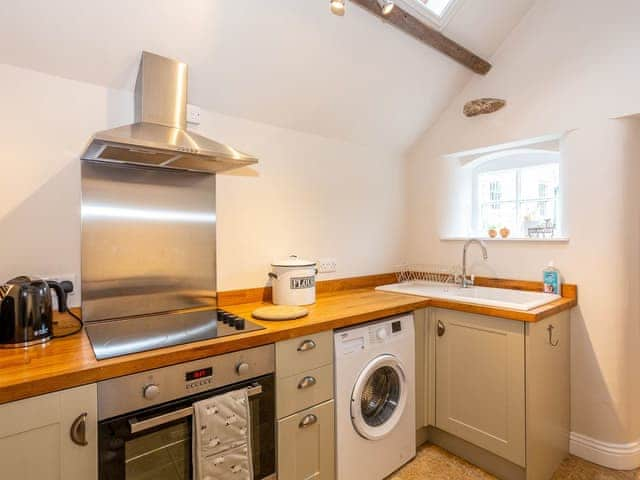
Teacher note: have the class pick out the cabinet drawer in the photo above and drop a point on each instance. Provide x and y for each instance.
(306, 444)
(304, 353)
(303, 390)
(31, 413)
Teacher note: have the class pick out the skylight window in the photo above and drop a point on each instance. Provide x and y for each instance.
(431, 11)
(438, 7)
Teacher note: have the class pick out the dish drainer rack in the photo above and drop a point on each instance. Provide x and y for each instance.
(416, 272)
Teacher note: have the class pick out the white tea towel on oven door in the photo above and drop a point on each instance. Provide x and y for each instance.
(228, 465)
(222, 437)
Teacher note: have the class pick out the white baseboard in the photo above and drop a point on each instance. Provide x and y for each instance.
(619, 456)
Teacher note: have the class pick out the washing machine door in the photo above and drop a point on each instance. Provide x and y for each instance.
(379, 397)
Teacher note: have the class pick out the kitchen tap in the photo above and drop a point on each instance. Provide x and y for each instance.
(466, 282)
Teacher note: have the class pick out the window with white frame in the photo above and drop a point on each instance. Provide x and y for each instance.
(438, 7)
(433, 11)
(519, 190)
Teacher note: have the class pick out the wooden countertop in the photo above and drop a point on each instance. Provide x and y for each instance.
(69, 362)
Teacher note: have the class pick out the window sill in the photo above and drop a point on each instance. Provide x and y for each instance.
(454, 238)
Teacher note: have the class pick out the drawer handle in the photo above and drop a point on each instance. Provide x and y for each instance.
(78, 431)
(307, 382)
(307, 345)
(308, 420)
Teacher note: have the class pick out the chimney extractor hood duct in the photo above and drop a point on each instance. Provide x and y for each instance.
(159, 137)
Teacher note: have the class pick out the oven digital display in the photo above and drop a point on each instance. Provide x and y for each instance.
(198, 374)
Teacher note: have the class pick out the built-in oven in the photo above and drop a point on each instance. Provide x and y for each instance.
(146, 419)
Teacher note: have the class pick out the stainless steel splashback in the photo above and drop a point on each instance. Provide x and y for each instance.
(148, 240)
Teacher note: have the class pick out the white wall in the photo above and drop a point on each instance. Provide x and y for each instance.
(309, 195)
(44, 125)
(568, 65)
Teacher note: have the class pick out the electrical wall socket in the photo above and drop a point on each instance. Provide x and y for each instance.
(327, 265)
(71, 297)
(193, 114)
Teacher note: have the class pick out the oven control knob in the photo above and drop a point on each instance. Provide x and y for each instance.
(242, 368)
(381, 334)
(151, 391)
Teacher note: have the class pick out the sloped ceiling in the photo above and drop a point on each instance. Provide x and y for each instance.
(288, 63)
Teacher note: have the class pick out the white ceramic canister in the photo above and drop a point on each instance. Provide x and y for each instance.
(293, 281)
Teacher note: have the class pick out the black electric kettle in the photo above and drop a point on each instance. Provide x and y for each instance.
(26, 313)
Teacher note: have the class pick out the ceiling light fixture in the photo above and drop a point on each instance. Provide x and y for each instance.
(337, 7)
(386, 6)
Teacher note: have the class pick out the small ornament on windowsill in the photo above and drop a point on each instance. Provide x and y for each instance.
(545, 230)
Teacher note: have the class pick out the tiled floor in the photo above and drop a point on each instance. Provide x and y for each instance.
(433, 463)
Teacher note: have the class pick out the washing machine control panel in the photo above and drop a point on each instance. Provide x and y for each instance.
(354, 340)
(386, 331)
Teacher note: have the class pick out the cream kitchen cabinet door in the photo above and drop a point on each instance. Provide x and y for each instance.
(480, 381)
(36, 436)
(306, 444)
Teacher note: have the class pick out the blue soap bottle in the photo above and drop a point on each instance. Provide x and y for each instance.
(551, 279)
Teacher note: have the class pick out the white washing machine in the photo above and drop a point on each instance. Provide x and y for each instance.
(375, 398)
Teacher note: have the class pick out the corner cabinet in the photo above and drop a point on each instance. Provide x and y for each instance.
(480, 382)
(50, 437)
(503, 386)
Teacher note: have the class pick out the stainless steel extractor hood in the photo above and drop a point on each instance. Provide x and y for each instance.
(159, 137)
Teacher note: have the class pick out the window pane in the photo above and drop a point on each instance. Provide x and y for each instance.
(497, 197)
(539, 181)
(438, 6)
(539, 187)
(519, 198)
(504, 214)
(503, 181)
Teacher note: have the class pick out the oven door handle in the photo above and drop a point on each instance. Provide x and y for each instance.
(137, 426)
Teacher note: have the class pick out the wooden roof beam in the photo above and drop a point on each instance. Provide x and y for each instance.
(432, 37)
